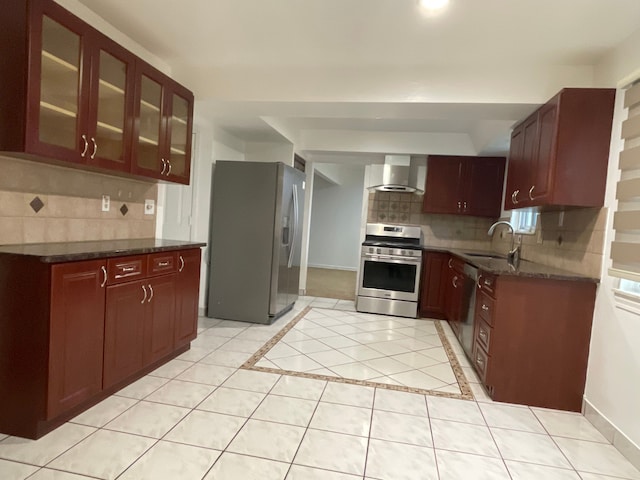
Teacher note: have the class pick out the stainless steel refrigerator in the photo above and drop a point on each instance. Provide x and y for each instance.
(256, 235)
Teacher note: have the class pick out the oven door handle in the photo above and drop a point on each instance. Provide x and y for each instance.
(378, 258)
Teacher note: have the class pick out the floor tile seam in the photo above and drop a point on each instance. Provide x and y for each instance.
(366, 454)
(137, 401)
(605, 442)
(433, 440)
(494, 441)
(564, 455)
(63, 471)
(324, 388)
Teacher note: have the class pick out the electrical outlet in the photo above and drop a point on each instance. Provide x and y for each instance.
(106, 203)
(149, 207)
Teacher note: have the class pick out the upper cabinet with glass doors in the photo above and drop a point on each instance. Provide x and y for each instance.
(73, 96)
(164, 118)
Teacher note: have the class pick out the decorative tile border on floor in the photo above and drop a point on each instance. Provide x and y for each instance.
(465, 389)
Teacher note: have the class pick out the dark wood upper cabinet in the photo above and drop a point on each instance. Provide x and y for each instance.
(464, 185)
(163, 126)
(187, 295)
(75, 97)
(559, 155)
(76, 334)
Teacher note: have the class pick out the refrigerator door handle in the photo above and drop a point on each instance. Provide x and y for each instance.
(295, 224)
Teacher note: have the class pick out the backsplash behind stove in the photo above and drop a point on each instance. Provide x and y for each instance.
(449, 231)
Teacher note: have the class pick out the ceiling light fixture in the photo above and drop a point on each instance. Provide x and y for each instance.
(433, 4)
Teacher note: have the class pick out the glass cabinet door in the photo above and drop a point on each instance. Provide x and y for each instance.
(180, 137)
(60, 84)
(148, 142)
(109, 139)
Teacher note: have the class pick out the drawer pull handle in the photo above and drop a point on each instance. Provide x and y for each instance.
(151, 294)
(104, 276)
(480, 362)
(145, 294)
(181, 264)
(128, 269)
(485, 308)
(482, 334)
(163, 264)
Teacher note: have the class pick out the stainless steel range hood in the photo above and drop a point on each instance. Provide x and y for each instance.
(396, 175)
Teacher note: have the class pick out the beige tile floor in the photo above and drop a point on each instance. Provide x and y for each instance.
(200, 417)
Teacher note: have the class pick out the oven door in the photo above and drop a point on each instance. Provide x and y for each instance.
(390, 277)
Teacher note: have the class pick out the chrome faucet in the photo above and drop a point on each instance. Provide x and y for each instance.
(513, 257)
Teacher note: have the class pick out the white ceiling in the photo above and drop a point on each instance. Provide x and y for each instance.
(318, 70)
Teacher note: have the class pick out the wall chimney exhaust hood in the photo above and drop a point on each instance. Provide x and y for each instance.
(397, 174)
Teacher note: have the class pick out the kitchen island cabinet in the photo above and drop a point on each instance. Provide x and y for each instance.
(78, 322)
(559, 155)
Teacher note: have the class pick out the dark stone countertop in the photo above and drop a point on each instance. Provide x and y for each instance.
(74, 251)
(500, 265)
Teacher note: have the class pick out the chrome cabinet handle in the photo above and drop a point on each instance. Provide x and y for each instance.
(104, 276)
(151, 294)
(464, 206)
(485, 308)
(163, 264)
(169, 172)
(145, 294)
(514, 197)
(482, 334)
(450, 260)
(455, 282)
(164, 166)
(478, 282)
(459, 206)
(480, 362)
(531, 193)
(128, 269)
(95, 148)
(181, 264)
(86, 146)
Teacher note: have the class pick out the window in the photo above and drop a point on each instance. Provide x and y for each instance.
(625, 249)
(524, 220)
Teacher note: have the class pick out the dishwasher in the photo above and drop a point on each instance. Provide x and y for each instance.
(468, 312)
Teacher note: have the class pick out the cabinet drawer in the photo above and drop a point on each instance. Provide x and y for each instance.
(485, 307)
(161, 263)
(126, 269)
(480, 362)
(487, 283)
(483, 334)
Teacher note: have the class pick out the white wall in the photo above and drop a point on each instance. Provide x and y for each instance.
(269, 152)
(334, 239)
(613, 387)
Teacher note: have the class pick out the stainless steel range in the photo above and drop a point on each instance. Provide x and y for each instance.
(390, 270)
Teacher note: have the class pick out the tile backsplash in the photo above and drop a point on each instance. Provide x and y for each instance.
(451, 231)
(575, 243)
(47, 203)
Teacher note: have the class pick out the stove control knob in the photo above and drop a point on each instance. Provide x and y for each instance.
(378, 250)
(410, 252)
(401, 252)
(370, 249)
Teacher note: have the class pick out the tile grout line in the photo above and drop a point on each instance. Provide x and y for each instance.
(366, 455)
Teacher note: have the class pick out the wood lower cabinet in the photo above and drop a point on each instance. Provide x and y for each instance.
(124, 325)
(76, 334)
(454, 292)
(73, 333)
(187, 288)
(532, 339)
(433, 287)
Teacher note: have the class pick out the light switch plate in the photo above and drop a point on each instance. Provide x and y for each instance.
(106, 203)
(149, 207)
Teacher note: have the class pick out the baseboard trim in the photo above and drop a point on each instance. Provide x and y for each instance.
(202, 311)
(620, 441)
